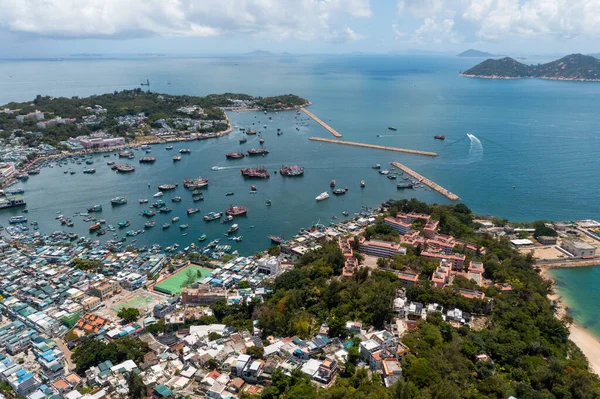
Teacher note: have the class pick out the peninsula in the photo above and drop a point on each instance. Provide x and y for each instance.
(572, 67)
(128, 115)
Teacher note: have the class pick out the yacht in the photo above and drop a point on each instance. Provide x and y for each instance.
(322, 196)
(158, 194)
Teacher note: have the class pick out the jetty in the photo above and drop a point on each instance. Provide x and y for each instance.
(374, 146)
(331, 130)
(422, 179)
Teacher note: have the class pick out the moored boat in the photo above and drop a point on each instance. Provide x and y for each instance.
(322, 196)
(235, 155)
(118, 201)
(124, 224)
(362, 184)
(256, 173)
(291, 170)
(166, 225)
(124, 168)
(94, 227)
(234, 227)
(332, 183)
(212, 216)
(202, 238)
(176, 199)
(147, 160)
(195, 183)
(257, 151)
(158, 194)
(392, 128)
(176, 158)
(191, 211)
(340, 191)
(440, 137)
(149, 224)
(185, 151)
(167, 187)
(95, 208)
(165, 209)
(236, 210)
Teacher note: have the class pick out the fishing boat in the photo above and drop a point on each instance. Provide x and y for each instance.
(166, 225)
(191, 211)
(253, 188)
(340, 191)
(109, 163)
(149, 224)
(14, 191)
(167, 187)
(195, 183)
(392, 177)
(404, 184)
(185, 151)
(124, 224)
(250, 131)
(236, 210)
(259, 151)
(322, 196)
(227, 219)
(169, 147)
(332, 183)
(234, 227)
(384, 172)
(197, 198)
(392, 128)
(145, 147)
(256, 173)
(291, 170)
(148, 213)
(202, 238)
(345, 213)
(376, 166)
(125, 154)
(235, 155)
(95, 208)
(268, 202)
(124, 168)
(165, 209)
(176, 199)
(176, 158)
(362, 184)
(143, 201)
(94, 227)
(279, 133)
(237, 238)
(277, 240)
(261, 141)
(440, 137)
(158, 194)
(229, 194)
(118, 201)
(175, 219)
(212, 216)
(89, 171)
(147, 160)
(183, 226)
(196, 192)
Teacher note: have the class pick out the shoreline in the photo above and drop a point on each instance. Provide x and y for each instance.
(584, 339)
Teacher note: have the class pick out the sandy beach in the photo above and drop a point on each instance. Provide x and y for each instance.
(589, 345)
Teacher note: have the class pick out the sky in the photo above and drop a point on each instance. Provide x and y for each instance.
(46, 28)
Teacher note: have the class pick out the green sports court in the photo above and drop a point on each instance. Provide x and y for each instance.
(172, 285)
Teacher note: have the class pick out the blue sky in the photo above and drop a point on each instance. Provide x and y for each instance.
(33, 28)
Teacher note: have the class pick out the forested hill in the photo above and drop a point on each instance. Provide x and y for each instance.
(571, 67)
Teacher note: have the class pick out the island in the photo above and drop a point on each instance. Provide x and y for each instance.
(571, 67)
(476, 53)
(127, 116)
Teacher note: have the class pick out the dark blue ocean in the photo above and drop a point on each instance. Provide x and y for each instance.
(540, 136)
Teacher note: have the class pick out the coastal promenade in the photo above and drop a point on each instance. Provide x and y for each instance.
(451, 196)
(374, 146)
(331, 130)
(566, 263)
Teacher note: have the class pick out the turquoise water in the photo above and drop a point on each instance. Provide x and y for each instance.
(578, 288)
(539, 136)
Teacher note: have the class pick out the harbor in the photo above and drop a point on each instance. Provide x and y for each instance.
(434, 186)
(375, 147)
(331, 130)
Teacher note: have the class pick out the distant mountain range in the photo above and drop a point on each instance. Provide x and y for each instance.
(476, 53)
(571, 67)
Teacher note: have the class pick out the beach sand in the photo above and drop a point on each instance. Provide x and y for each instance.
(589, 345)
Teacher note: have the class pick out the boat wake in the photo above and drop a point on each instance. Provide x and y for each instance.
(475, 150)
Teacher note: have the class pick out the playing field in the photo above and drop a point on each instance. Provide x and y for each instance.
(172, 285)
(139, 301)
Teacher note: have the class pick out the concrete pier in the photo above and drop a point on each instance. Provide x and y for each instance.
(331, 130)
(426, 181)
(374, 146)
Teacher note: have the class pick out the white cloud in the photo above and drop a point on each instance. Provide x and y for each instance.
(432, 32)
(398, 34)
(500, 19)
(267, 19)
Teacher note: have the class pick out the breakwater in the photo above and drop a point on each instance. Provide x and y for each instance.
(375, 147)
(451, 196)
(331, 130)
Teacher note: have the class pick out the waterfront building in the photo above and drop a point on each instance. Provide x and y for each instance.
(7, 169)
(578, 248)
(382, 249)
(98, 141)
(270, 266)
